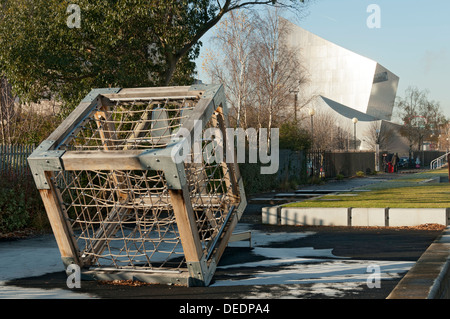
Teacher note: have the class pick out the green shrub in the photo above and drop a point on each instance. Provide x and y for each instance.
(293, 137)
(359, 174)
(20, 205)
(254, 181)
(315, 180)
(14, 214)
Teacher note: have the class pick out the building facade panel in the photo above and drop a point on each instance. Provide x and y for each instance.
(348, 85)
(384, 91)
(344, 76)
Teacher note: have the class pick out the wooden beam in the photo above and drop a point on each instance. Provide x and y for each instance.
(140, 130)
(102, 160)
(201, 113)
(151, 90)
(108, 135)
(125, 95)
(64, 131)
(58, 221)
(187, 226)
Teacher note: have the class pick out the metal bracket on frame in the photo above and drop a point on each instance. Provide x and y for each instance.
(162, 160)
(200, 272)
(96, 92)
(44, 159)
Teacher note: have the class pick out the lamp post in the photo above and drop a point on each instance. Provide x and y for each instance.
(377, 151)
(354, 120)
(295, 104)
(311, 114)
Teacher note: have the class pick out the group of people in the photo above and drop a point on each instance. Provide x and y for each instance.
(391, 163)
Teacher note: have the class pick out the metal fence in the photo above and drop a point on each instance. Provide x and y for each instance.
(328, 164)
(13, 159)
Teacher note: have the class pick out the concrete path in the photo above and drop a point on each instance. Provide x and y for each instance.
(304, 192)
(351, 183)
(30, 258)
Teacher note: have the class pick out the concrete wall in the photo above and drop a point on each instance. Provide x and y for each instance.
(271, 215)
(429, 278)
(314, 216)
(368, 216)
(363, 217)
(417, 216)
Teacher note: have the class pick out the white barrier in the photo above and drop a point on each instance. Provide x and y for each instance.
(368, 217)
(417, 216)
(270, 215)
(331, 216)
(314, 216)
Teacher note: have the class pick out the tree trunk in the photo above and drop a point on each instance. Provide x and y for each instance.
(171, 61)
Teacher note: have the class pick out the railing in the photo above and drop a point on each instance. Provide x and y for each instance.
(439, 162)
(13, 158)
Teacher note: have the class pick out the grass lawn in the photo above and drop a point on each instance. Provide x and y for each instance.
(405, 192)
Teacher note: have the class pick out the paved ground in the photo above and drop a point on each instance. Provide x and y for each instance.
(283, 262)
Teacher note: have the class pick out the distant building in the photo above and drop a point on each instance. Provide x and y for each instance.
(348, 86)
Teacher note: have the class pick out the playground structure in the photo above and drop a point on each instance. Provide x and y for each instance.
(120, 207)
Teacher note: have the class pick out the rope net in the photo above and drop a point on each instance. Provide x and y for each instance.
(125, 219)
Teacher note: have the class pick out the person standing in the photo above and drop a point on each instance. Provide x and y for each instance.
(395, 160)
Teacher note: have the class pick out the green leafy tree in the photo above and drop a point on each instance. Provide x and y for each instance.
(293, 137)
(115, 43)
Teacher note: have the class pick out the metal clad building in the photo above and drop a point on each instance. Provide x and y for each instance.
(347, 85)
(344, 76)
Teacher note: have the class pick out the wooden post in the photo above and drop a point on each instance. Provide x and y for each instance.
(186, 223)
(57, 217)
(108, 135)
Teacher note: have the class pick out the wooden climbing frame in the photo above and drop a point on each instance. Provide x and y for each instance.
(120, 207)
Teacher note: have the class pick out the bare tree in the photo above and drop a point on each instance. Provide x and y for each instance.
(421, 117)
(213, 12)
(276, 71)
(7, 111)
(326, 133)
(24, 123)
(261, 73)
(444, 137)
(324, 130)
(378, 135)
(408, 108)
(229, 61)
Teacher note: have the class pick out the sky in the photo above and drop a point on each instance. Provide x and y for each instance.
(412, 41)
